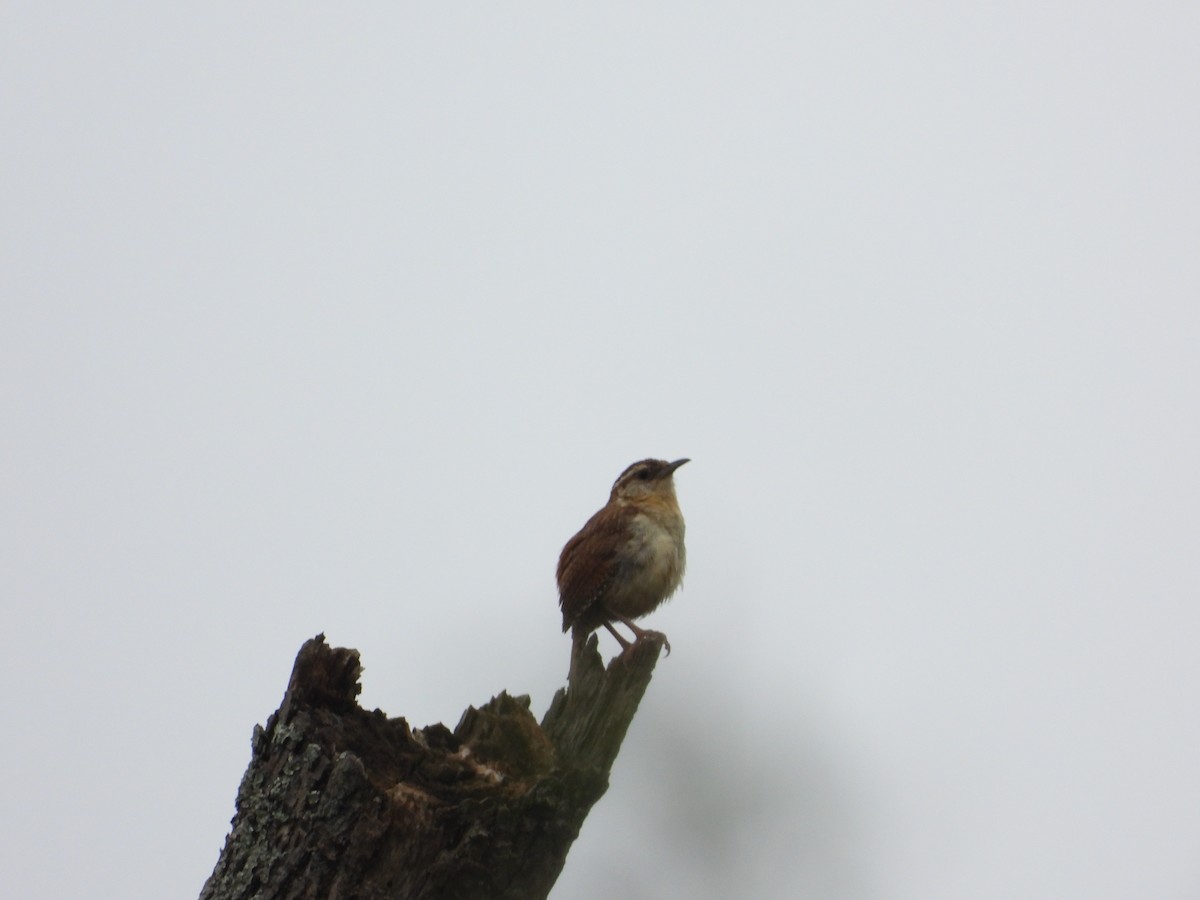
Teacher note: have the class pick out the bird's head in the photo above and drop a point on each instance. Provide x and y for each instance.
(647, 479)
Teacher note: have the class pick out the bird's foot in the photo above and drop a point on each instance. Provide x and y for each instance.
(640, 634)
(659, 636)
(656, 637)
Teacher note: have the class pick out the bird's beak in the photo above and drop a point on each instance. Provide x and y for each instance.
(670, 470)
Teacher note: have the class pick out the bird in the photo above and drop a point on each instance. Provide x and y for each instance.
(628, 558)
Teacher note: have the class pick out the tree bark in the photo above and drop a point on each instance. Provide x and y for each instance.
(343, 803)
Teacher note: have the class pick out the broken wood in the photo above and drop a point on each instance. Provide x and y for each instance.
(343, 803)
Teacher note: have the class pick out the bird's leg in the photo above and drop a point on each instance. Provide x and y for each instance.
(641, 632)
(625, 645)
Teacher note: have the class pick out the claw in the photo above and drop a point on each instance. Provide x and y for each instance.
(659, 636)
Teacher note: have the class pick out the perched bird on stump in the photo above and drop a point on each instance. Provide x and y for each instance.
(628, 558)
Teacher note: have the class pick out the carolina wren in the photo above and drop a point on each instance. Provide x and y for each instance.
(628, 558)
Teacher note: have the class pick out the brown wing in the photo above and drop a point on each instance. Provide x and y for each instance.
(590, 561)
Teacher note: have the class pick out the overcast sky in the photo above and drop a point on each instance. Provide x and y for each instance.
(344, 318)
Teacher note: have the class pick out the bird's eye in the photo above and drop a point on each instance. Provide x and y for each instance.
(643, 475)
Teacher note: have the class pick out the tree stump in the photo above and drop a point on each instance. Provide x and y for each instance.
(343, 803)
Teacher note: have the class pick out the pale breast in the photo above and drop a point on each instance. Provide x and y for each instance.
(657, 559)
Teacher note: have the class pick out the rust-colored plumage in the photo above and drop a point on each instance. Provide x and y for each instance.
(628, 558)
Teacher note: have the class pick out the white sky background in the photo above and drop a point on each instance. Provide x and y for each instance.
(344, 320)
